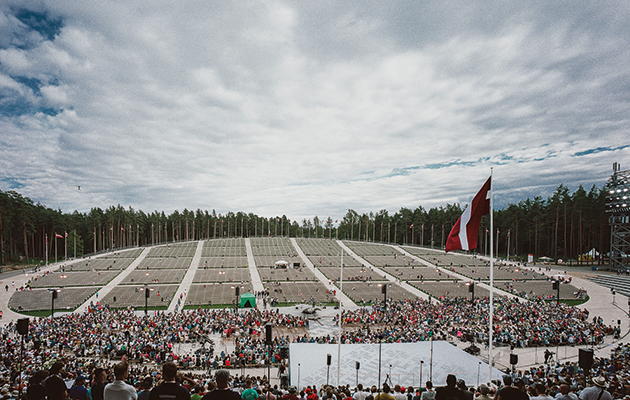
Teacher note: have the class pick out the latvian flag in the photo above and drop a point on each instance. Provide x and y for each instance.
(464, 234)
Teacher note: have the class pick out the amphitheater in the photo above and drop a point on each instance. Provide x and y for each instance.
(295, 272)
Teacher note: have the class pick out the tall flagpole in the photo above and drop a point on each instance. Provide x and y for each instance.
(491, 305)
(340, 312)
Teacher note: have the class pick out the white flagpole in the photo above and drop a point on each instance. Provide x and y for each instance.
(340, 312)
(46, 249)
(491, 304)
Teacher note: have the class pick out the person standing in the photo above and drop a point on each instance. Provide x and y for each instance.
(99, 384)
(597, 392)
(78, 390)
(222, 392)
(119, 389)
(450, 391)
(146, 386)
(55, 386)
(249, 393)
(428, 394)
(169, 389)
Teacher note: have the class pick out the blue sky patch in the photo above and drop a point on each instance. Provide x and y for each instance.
(48, 27)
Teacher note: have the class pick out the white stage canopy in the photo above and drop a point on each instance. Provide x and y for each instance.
(308, 364)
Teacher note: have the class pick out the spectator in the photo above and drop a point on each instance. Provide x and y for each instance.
(55, 386)
(119, 389)
(78, 390)
(222, 392)
(597, 392)
(169, 389)
(428, 394)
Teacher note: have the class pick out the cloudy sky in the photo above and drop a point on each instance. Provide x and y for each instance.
(309, 108)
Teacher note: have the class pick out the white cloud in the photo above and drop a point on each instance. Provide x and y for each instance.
(304, 109)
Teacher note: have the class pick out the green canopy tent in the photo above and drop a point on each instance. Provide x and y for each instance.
(248, 300)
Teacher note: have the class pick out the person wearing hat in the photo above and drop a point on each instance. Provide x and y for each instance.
(78, 390)
(291, 395)
(597, 392)
(222, 392)
(146, 385)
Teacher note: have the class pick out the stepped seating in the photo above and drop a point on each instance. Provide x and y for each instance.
(41, 299)
(222, 275)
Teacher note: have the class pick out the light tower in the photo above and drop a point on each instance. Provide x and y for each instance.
(618, 205)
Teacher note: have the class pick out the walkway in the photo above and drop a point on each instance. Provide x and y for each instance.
(346, 302)
(253, 273)
(406, 286)
(179, 298)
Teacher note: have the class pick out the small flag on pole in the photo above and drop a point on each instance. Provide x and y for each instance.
(58, 235)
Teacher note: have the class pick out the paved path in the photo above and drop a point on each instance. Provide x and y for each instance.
(102, 292)
(392, 279)
(253, 273)
(184, 286)
(346, 302)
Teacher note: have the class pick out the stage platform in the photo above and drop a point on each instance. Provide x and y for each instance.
(308, 364)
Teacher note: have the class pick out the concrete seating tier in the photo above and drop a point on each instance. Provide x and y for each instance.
(286, 274)
(80, 278)
(270, 261)
(41, 299)
(214, 294)
(364, 249)
(500, 273)
(222, 262)
(620, 283)
(453, 259)
(222, 275)
(534, 289)
(230, 242)
(277, 247)
(99, 264)
(165, 263)
(365, 292)
(416, 273)
(424, 251)
(133, 296)
(299, 292)
(131, 253)
(335, 261)
(319, 247)
(224, 248)
(391, 260)
(154, 276)
(174, 250)
(452, 289)
(353, 273)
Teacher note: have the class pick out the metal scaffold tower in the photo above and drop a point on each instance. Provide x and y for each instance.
(618, 205)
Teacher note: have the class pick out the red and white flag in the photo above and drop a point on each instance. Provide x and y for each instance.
(58, 235)
(464, 234)
(411, 226)
(66, 234)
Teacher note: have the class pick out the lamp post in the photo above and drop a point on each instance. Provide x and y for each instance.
(471, 289)
(384, 291)
(147, 293)
(556, 285)
(52, 307)
(421, 362)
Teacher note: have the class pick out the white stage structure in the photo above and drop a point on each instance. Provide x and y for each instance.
(308, 364)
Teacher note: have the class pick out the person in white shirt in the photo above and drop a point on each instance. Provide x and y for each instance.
(119, 389)
(359, 394)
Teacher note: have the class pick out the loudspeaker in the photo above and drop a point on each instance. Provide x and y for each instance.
(585, 358)
(238, 290)
(22, 326)
(268, 333)
(513, 359)
(328, 359)
(555, 285)
(36, 343)
(357, 365)
(384, 289)
(471, 288)
(54, 294)
(147, 293)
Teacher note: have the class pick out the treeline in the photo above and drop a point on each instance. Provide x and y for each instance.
(564, 225)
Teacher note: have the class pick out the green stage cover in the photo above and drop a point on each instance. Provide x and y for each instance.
(248, 300)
